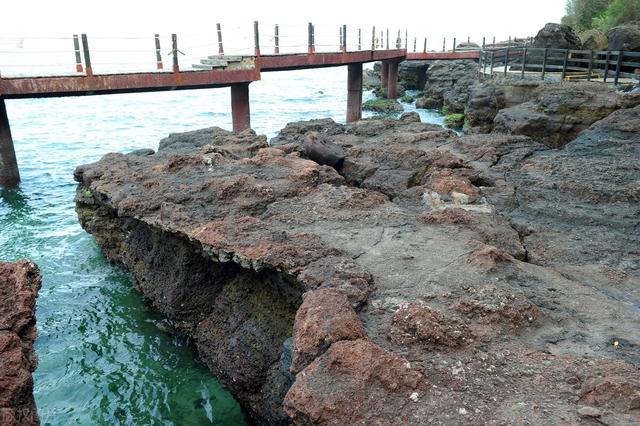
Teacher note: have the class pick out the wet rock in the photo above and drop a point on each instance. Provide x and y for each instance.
(624, 37)
(324, 152)
(382, 105)
(19, 285)
(557, 36)
(324, 318)
(355, 382)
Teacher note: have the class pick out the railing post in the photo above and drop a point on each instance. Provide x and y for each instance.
(373, 38)
(454, 45)
(606, 66)
(276, 48)
(524, 61)
(494, 41)
(398, 41)
(256, 39)
(344, 38)
(387, 38)
(444, 44)
(590, 65)
(340, 43)
(9, 173)
(483, 45)
(492, 63)
(424, 49)
(564, 64)
(87, 56)
(159, 64)
(76, 47)
(174, 46)
(359, 39)
(506, 61)
(220, 46)
(406, 39)
(618, 67)
(415, 44)
(544, 62)
(310, 41)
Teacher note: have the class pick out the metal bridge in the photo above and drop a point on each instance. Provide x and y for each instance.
(236, 71)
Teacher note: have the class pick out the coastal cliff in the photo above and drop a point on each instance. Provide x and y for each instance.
(388, 271)
(19, 285)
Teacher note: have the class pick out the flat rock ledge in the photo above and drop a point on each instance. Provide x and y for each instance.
(426, 277)
(19, 285)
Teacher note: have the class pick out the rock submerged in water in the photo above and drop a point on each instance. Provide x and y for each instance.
(19, 286)
(431, 278)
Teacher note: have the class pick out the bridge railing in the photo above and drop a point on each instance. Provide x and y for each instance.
(566, 63)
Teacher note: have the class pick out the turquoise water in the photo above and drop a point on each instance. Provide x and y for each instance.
(103, 360)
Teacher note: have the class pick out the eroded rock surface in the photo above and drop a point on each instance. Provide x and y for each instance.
(19, 285)
(482, 279)
(447, 84)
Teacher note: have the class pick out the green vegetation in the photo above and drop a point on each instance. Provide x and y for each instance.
(583, 15)
(407, 99)
(383, 105)
(454, 121)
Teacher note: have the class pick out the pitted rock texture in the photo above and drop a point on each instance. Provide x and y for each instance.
(431, 278)
(447, 85)
(19, 285)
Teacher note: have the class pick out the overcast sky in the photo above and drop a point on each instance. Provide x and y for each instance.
(435, 19)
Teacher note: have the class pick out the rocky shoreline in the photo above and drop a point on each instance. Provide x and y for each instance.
(391, 272)
(19, 285)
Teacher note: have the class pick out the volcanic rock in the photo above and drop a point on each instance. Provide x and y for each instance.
(447, 84)
(19, 285)
(624, 37)
(557, 36)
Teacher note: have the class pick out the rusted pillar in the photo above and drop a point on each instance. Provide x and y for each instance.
(240, 111)
(384, 74)
(354, 93)
(9, 174)
(392, 85)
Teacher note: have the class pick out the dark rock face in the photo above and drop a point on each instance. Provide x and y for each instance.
(485, 100)
(448, 83)
(560, 111)
(434, 278)
(413, 74)
(624, 37)
(19, 285)
(317, 148)
(557, 36)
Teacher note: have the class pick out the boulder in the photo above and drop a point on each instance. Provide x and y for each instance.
(318, 148)
(560, 111)
(383, 105)
(485, 100)
(557, 36)
(624, 37)
(448, 83)
(594, 40)
(467, 45)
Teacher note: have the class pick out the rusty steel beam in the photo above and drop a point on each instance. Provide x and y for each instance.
(319, 60)
(122, 83)
(470, 54)
(240, 109)
(9, 174)
(354, 92)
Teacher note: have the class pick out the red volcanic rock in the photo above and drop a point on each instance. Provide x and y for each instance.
(422, 323)
(355, 382)
(325, 317)
(19, 285)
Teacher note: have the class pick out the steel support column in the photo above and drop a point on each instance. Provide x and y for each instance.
(354, 93)
(392, 85)
(384, 74)
(9, 175)
(240, 111)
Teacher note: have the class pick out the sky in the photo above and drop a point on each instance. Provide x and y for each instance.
(422, 18)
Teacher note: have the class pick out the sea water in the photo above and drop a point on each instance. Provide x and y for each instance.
(102, 358)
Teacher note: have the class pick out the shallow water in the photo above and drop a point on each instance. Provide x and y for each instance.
(102, 358)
